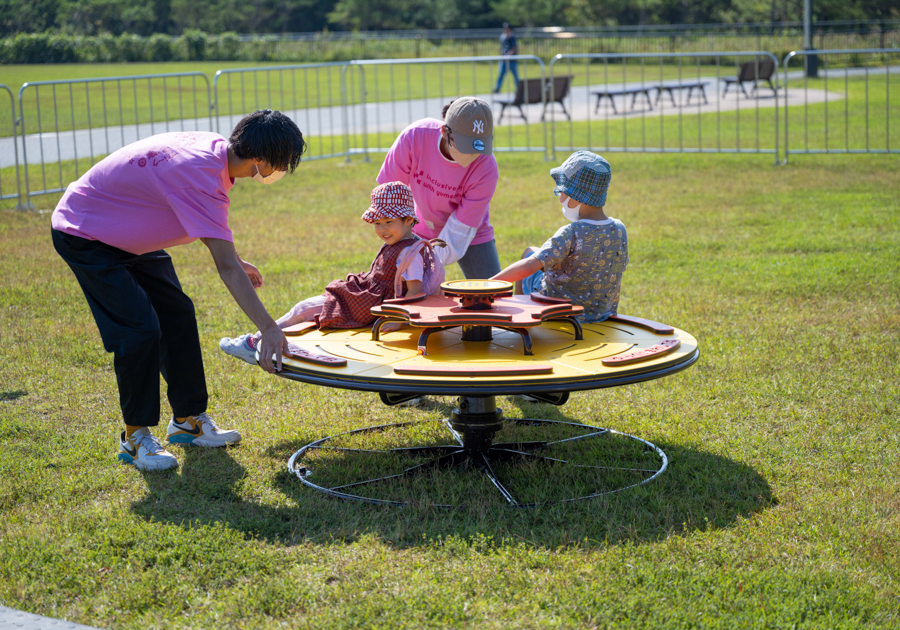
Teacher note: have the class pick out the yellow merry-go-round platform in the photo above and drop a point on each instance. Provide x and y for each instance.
(479, 341)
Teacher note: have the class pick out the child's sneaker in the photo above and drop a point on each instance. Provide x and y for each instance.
(242, 347)
(144, 451)
(200, 431)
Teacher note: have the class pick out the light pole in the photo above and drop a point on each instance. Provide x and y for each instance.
(812, 61)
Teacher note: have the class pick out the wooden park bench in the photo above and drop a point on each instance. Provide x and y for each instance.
(760, 70)
(531, 91)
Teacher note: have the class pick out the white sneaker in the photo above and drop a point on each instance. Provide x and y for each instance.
(239, 347)
(200, 431)
(144, 451)
(527, 398)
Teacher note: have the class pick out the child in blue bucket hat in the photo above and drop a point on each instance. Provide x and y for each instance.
(584, 261)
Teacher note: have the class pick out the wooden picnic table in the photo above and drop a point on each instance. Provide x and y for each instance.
(635, 92)
(645, 91)
(694, 85)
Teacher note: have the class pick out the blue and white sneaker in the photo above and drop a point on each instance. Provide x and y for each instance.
(143, 451)
(241, 347)
(200, 431)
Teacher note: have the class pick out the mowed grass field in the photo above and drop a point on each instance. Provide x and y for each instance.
(780, 507)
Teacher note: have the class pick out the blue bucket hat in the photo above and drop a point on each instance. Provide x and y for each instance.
(584, 177)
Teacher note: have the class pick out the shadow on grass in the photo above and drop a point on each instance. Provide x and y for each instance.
(698, 491)
(12, 395)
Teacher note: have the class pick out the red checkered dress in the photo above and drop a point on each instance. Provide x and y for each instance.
(348, 302)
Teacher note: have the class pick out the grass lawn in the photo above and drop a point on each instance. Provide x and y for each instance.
(780, 507)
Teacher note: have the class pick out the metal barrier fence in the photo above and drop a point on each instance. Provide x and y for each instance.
(451, 77)
(15, 146)
(706, 128)
(78, 136)
(669, 102)
(856, 127)
(321, 105)
(546, 42)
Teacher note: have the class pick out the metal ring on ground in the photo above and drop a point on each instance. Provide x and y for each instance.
(455, 456)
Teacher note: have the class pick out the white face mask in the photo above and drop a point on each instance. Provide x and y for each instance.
(273, 177)
(570, 213)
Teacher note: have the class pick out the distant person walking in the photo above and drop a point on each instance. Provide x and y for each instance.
(508, 46)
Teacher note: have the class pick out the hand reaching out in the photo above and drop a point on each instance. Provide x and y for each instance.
(252, 273)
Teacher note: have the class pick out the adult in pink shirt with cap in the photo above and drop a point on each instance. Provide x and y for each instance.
(450, 167)
(111, 227)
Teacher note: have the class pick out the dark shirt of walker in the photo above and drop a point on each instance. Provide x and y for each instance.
(507, 43)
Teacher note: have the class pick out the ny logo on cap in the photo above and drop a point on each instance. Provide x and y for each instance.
(478, 126)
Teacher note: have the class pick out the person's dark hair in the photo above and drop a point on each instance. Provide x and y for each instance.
(446, 108)
(271, 136)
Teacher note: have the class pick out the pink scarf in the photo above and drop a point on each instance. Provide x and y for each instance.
(433, 277)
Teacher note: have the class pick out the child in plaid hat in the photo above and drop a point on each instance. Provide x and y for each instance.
(405, 265)
(584, 261)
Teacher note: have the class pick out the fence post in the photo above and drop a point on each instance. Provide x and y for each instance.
(15, 121)
(550, 151)
(214, 102)
(344, 112)
(365, 119)
(544, 105)
(21, 121)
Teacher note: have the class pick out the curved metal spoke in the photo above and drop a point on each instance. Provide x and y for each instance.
(577, 437)
(423, 451)
(519, 445)
(482, 462)
(535, 446)
(567, 462)
(454, 432)
(445, 461)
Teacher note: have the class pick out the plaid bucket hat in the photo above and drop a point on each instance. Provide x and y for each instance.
(393, 200)
(584, 177)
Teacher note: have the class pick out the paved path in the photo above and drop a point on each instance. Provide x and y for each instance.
(392, 117)
(11, 618)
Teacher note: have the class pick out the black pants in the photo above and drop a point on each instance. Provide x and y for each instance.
(146, 321)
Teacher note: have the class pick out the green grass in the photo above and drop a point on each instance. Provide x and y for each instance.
(780, 506)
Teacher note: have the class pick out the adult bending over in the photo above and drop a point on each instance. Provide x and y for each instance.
(111, 227)
(450, 167)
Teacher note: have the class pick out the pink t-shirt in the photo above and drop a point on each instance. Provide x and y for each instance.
(440, 186)
(165, 190)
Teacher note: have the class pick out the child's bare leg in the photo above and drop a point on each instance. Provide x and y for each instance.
(301, 312)
(526, 254)
(293, 316)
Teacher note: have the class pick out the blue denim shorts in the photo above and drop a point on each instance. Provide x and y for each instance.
(532, 284)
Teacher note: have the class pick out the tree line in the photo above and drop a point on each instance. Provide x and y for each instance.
(173, 17)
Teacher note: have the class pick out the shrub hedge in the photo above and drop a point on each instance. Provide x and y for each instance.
(193, 45)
